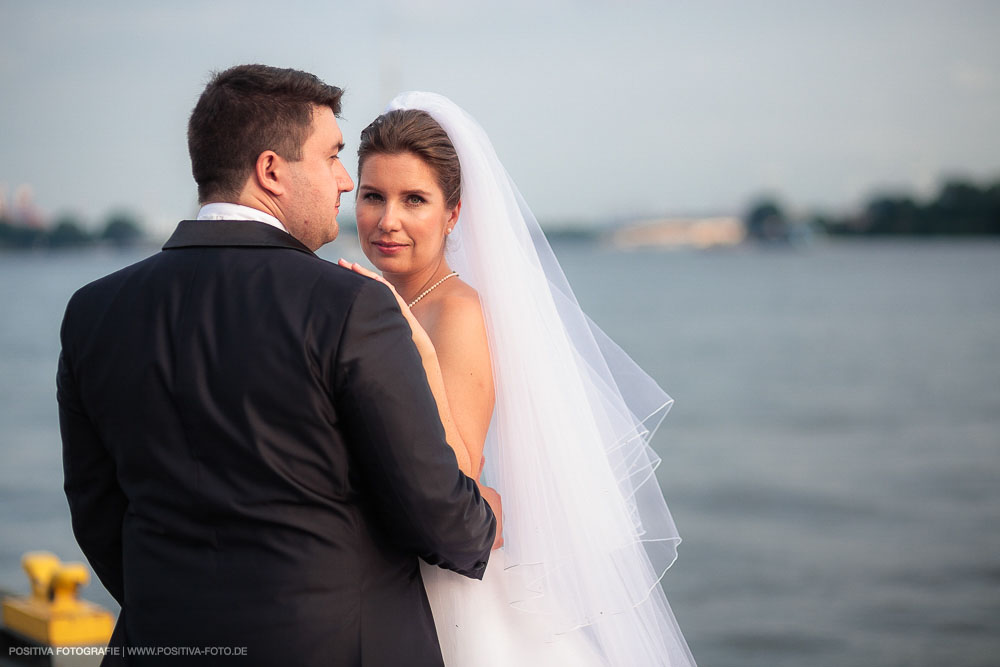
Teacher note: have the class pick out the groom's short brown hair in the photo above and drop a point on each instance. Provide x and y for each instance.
(244, 111)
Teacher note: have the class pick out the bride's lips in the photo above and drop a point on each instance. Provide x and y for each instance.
(388, 247)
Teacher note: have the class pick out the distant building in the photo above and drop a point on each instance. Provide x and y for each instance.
(681, 232)
(23, 212)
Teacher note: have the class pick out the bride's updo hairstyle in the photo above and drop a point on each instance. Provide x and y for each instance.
(414, 131)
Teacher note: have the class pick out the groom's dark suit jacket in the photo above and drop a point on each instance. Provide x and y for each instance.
(253, 457)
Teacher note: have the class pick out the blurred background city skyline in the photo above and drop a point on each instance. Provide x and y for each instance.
(600, 112)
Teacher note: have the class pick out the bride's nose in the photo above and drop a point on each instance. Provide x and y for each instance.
(389, 221)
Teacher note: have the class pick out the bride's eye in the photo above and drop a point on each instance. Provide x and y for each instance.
(414, 199)
(371, 196)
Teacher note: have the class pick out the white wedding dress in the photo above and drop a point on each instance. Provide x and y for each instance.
(478, 627)
(587, 533)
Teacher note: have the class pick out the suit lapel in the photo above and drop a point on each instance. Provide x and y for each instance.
(231, 233)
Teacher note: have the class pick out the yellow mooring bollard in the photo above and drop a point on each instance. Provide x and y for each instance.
(54, 614)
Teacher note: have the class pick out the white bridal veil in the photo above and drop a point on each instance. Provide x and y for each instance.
(587, 534)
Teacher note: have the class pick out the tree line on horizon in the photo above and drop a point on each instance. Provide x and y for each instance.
(961, 208)
(120, 230)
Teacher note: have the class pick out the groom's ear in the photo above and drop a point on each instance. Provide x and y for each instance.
(270, 173)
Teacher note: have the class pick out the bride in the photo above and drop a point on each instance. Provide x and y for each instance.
(536, 402)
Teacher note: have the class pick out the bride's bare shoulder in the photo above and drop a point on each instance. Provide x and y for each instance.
(459, 313)
(462, 301)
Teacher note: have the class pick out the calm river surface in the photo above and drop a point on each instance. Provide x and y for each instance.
(832, 459)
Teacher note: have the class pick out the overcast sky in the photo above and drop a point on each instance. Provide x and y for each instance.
(599, 110)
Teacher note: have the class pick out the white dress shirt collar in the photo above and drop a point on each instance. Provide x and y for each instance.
(227, 211)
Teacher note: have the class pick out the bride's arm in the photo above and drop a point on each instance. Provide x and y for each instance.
(458, 334)
(463, 354)
(435, 378)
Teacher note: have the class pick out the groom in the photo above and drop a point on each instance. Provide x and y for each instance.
(252, 456)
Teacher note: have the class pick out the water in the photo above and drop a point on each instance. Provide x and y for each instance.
(832, 460)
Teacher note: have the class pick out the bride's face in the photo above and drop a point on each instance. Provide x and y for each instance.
(403, 218)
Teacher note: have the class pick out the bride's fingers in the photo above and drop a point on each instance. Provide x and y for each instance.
(354, 266)
(357, 268)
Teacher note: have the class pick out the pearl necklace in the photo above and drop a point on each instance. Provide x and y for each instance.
(430, 289)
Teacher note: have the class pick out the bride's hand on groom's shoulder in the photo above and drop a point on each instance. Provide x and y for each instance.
(357, 268)
(420, 337)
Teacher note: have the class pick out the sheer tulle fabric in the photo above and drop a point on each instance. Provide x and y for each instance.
(587, 532)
